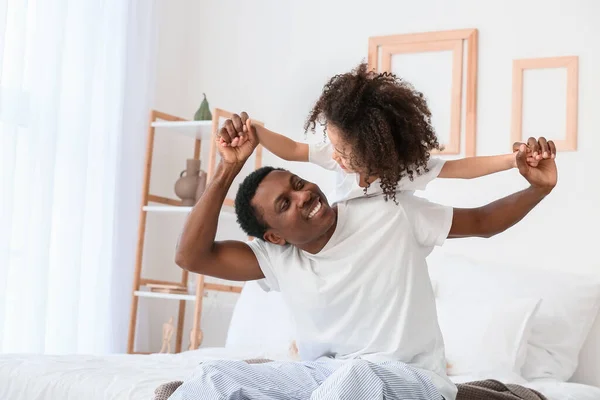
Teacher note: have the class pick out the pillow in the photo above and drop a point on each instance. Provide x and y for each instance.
(588, 370)
(569, 305)
(262, 323)
(486, 337)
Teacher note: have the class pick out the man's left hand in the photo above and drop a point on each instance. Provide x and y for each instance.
(535, 162)
(537, 150)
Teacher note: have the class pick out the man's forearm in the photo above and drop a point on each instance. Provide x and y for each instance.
(198, 236)
(502, 214)
(496, 217)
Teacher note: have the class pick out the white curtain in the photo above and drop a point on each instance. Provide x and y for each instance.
(75, 89)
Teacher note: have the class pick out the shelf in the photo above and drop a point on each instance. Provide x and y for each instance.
(195, 129)
(228, 211)
(168, 209)
(172, 296)
(190, 297)
(168, 124)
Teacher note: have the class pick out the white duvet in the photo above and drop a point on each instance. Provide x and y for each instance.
(114, 377)
(120, 377)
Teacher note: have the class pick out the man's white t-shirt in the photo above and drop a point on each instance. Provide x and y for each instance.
(347, 184)
(367, 293)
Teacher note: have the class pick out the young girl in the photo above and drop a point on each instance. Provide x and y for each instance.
(352, 182)
(380, 138)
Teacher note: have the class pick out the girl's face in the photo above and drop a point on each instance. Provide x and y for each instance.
(341, 150)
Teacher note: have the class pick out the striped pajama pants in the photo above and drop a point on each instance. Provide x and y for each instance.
(323, 379)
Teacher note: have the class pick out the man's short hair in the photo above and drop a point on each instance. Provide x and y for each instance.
(248, 217)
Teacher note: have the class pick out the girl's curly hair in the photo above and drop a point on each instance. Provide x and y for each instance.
(383, 118)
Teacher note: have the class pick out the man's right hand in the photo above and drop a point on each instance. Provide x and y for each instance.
(232, 149)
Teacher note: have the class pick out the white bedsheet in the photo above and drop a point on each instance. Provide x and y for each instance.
(553, 390)
(565, 390)
(133, 377)
(114, 377)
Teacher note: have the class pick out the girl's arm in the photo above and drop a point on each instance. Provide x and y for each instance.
(282, 146)
(474, 167)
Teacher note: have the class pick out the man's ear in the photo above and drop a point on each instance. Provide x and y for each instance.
(272, 236)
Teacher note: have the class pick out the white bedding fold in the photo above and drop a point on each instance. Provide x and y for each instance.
(114, 377)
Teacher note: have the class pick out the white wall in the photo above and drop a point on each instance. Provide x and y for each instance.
(271, 58)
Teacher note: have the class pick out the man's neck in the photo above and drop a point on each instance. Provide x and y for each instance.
(318, 244)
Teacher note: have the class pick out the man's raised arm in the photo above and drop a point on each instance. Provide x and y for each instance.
(197, 250)
(500, 215)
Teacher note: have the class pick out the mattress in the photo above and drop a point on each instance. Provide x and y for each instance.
(133, 377)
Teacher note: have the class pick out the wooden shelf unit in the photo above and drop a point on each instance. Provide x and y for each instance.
(199, 131)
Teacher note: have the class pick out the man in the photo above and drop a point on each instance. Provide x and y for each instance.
(354, 277)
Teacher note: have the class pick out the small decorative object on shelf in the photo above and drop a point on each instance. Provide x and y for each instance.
(203, 113)
(163, 286)
(293, 351)
(200, 336)
(168, 329)
(187, 187)
(170, 290)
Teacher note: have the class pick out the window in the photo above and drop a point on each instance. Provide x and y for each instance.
(17, 30)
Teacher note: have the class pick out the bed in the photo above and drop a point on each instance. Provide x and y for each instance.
(537, 329)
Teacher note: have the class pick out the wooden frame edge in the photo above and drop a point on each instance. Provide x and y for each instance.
(571, 63)
(470, 36)
(471, 93)
(141, 232)
(456, 46)
(431, 36)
